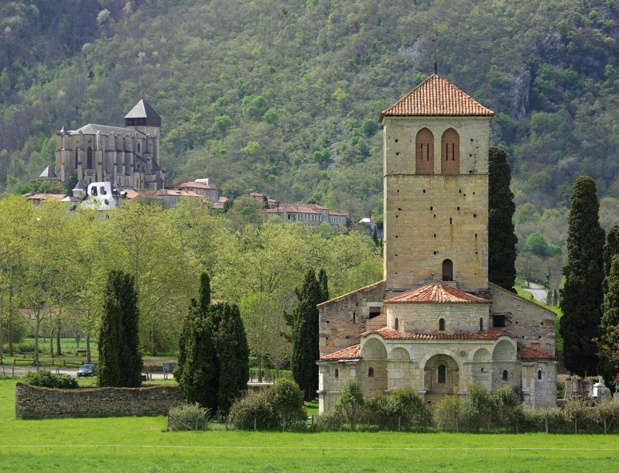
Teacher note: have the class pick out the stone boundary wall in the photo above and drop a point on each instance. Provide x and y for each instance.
(32, 402)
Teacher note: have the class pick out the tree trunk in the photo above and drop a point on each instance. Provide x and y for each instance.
(10, 320)
(153, 341)
(88, 348)
(36, 340)
(259, 367)
(51, 342)
(58, 329)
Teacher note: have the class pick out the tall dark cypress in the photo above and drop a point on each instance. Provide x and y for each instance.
(232, 355)
(305, 341)
(324, 285)
(502, 238)
(197, 371)
(581, 296)
(608, 368)
(120, 361)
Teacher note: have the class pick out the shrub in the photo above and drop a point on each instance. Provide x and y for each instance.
(329, 422)
(507, 407)
(350, 404)
(188, 417)
(381, 412)
(286, 399)
(410, 408)
(46, 379)
(253, 412)
(448, 413)
(477, 409)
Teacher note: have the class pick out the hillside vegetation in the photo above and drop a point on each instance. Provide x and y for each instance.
(282, 97)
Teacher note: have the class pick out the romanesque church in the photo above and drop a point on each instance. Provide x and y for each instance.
(435, 323)
(128, 156)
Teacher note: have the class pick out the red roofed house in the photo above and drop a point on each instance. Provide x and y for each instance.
(435, 323)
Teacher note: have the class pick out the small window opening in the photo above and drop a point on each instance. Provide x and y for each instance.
(374, 311)
(481, 324)
(337, 373)
(539, 374)
(370, 372)
(441, 325)
(448, 270)
(505, 375)
(442, 374)
(397, 324)
(450, 221)
(474, 215)
(354, 318)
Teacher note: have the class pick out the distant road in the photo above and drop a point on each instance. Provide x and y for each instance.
(539, 294)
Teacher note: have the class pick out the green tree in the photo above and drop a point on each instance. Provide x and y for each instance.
(351, 403)
(609, 367)
(197, 370)
(232, 355)
(287, 400)
(501, 236)
(304, 323)
(581, 296)
(120, 361)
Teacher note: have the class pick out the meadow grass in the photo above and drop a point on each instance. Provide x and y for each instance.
(142, 444)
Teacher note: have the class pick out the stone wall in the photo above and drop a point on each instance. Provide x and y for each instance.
(32, 402)
(343, 319)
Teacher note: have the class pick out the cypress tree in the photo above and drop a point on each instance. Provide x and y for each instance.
(120, 361)
(324, 285)
(608, 368)
(305, 341)
(581, 296)
(501, 235)
(232, 355)
(197, 371)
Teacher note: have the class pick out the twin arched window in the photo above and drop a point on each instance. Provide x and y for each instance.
(450, 152)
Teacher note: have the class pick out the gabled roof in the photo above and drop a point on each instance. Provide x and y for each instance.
(142, 110)
(437, 293)
(388, 334)
(348, 353)
(93, 129)
(530, 354)
(436, 96)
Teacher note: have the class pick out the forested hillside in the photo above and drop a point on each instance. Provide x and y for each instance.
(282, 97)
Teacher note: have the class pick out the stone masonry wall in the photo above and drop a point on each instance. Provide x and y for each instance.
(342, 320)
(32, 402)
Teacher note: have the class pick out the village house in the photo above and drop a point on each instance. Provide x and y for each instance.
(435, 323)
(312, 214)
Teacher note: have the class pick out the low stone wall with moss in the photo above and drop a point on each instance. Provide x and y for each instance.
(32, 402)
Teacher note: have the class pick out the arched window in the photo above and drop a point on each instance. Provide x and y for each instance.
(481, 324)
(89, 158)
(77, 151)
(450, 152)
(448, 270)
(442, 374)
(441, 325)
(505, 375)
(337, 373)
(424, 152)
(539, 374)
(370, 372)
(397, 324)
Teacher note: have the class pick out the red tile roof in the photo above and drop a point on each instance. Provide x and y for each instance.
(39, 196)
(388, 334)
(436, 96)
(349, 353)
(437, 293)
(530, 353)
(302, 209)
(192, 185)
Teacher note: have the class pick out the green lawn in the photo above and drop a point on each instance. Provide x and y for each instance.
(141, 444)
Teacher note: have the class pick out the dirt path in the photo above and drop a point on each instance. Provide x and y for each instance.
(538, 293)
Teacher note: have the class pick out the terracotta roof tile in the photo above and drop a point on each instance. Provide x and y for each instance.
(436, 96)
(438, 293)
(349, 353)
(530, 353)
(388, 334)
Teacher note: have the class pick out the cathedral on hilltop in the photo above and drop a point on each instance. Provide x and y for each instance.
(127, 157)
(435, 323)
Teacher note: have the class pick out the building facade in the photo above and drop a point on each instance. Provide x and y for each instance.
(127, 157)
(435, 323)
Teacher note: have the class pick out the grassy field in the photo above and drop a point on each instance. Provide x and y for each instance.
(142, 444)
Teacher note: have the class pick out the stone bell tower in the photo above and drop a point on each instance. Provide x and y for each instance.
(436, 188)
